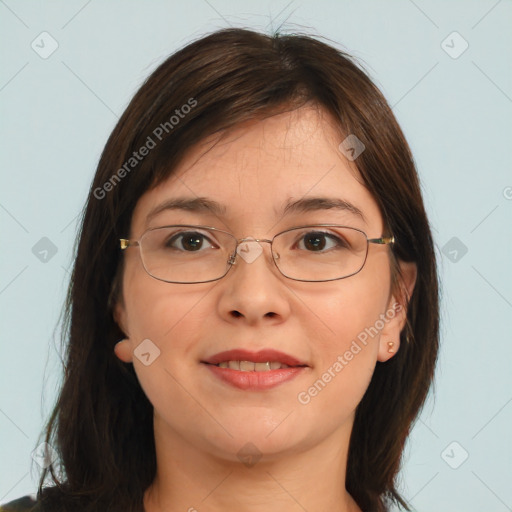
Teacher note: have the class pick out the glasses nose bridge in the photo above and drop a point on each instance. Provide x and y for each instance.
(249, 239)
(256, 240)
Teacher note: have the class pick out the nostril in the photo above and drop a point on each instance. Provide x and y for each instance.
(236, 314)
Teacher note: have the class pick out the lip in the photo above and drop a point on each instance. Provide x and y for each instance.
(256, 381)
(253, 380)
(261, 356)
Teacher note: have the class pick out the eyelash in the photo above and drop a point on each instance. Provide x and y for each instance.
(339, 242)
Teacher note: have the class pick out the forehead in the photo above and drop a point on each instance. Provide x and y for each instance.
(258, 167)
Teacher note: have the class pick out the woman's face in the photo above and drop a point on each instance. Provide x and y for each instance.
(336, 331)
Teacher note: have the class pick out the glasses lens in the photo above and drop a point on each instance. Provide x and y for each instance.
(320, 253)
(186, 254)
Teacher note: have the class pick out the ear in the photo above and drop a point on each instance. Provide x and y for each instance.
(122, 349)
(396, 312)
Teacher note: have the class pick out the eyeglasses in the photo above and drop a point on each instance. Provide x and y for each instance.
(199, 254)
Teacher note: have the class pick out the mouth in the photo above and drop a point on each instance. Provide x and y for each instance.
(245, 360)
(250, 366)
(254, 370)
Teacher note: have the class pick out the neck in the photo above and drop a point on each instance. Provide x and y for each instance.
(194, 480)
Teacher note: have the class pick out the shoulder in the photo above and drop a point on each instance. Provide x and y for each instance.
(23, 504)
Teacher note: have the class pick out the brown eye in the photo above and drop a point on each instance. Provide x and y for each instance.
(317, 241)
(314, 241)
(188, 241)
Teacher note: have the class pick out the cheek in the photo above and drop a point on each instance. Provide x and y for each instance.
(345, 311)
(158, 310)
(345, 334)
(170, 316)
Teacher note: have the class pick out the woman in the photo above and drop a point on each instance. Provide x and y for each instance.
(255, 236)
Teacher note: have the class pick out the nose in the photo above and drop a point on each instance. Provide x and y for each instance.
(253, 290)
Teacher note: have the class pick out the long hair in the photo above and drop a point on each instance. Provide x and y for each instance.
(102, 424)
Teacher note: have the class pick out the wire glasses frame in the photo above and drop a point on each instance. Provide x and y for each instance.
(236, 243)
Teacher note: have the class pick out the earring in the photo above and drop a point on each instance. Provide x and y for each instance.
(390, 347)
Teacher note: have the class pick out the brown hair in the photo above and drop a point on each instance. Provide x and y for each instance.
(102, 423)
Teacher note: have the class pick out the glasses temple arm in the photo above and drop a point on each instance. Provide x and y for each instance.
(382, 240)
(125, 243)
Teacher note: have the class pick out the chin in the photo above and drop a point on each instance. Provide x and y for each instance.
(266, 437)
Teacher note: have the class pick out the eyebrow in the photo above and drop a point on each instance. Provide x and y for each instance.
(310, 204)
(197, 205)
(303, 205)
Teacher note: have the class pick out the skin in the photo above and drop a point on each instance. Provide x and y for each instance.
(201, 423)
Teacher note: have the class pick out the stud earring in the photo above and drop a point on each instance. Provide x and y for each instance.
(390, 347)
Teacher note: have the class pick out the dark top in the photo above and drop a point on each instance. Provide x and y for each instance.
(24, 504)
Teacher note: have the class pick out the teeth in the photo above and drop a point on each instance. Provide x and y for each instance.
(249, 366)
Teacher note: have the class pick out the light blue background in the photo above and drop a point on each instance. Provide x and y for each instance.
(58, 112)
